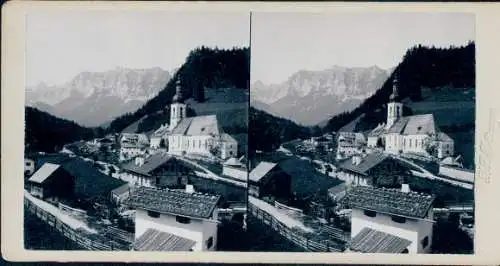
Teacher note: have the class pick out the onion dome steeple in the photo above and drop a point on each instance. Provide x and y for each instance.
(394, 95)
(178, 92)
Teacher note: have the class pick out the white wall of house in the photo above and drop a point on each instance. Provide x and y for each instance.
(237, 173)
(352, 179)
(197, 230)
(414, 230)
(372, 142)
(126, 153)
(36, 190)
(228, 149)
(155, 142)
(445, 149)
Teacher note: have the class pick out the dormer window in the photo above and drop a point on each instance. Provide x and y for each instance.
(398, 219)
(182, 219)
(369, 213)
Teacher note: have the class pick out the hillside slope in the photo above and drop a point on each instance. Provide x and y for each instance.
(205, 72)
(47, 133)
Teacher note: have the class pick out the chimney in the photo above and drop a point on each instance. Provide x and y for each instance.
(405, 188)
(139, 161)
(356, 160)
(189, 189)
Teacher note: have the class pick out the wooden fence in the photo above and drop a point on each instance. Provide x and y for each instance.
(79, 236)
(302, 239)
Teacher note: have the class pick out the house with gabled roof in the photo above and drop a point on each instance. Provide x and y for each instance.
(52, 182)
(174, 220)
(374, 169)
(268, 179)
(390, 220)
(157, 170)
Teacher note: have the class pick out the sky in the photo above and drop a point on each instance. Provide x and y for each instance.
(283, 43)
(61, 44)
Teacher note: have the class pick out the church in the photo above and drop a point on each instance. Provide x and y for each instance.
(416, 134)
(196, 135)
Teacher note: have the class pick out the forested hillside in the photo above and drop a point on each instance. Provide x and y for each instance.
(47, 133)
(421, 67)
(267, 132)
(205, 68)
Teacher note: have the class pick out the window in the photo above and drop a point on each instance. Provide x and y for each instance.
(425, 242)
(405, 251)
(399, 111)
(153, 214)
(370, 213)
(210, 242)
(182, 219)
(410, 143)
(399, 219)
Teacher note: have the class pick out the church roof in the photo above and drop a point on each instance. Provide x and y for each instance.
(415, 125)
(390, 201)
(160, 131)
(379, 130)
(176, 202)
(198, 126)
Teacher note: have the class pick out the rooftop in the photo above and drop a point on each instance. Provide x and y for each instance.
(176, 202)
(198, 126)
(228, 138)
(44, 172)
(125, 188)
(415, 125)
(150, 164)
(391, 201)
(154, 240)
(338, 188)
(373, 241)
(260, 171)
(443, 137)
(371, 160)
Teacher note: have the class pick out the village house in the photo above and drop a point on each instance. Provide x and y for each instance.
(235, 169)
(197, 135)
(410, 134)
(52, 182)
(121, 193)
(374, 169)
(390, 220)
(174, 220)
(132, 145)
(157, 170)
(268, 179)
(350, 141)
(337, 192)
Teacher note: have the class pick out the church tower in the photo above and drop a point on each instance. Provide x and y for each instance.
(178, 107)
(394, 108)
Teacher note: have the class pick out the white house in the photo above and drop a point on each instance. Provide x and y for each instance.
(198, 135)
(132, 145)
(174, 220)
(410, 134)
(390, 220)
(159, 138)
(228, 146)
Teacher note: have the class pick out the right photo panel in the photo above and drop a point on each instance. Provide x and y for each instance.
(361, 132)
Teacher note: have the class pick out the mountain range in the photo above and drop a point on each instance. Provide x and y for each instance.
(311, 97)
(94, 98)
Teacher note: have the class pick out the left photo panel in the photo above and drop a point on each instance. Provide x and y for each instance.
(136, 127)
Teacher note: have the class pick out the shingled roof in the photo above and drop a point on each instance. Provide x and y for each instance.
(176, 202)
(150, 164)
(415, 125)
(372, 241)
(44, 172)
(198, 126)
(391, 201)
(371, 160)
(154, 240)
